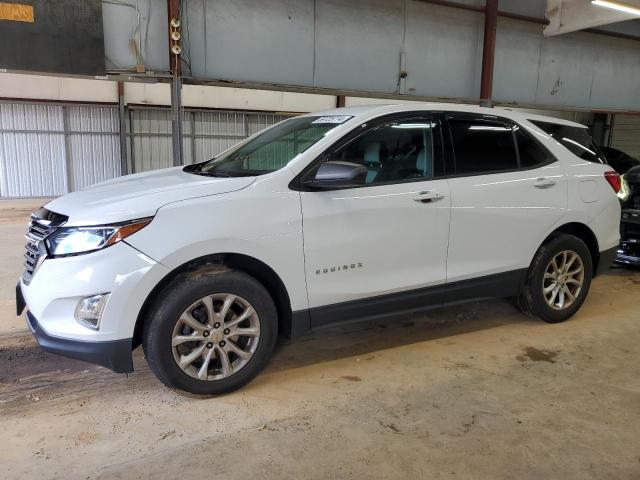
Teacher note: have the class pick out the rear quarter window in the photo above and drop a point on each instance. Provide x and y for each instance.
(532, 154)
(575, 139)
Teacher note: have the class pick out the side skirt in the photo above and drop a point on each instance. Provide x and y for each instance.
(491, 286)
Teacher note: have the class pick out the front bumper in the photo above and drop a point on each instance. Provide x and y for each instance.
(114, 354)
(60, 283)
(52, 295)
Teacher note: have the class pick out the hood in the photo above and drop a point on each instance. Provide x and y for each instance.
(139, 195)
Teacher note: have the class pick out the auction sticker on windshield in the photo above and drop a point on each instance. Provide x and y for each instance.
(337, 119)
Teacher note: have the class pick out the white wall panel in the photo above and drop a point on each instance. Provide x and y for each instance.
(41, 87)
(32, 152)
(138, 26)
(151, 139)
(252, 39)
(578, 69)
(443, 51)
(94, 144)
(358, 44)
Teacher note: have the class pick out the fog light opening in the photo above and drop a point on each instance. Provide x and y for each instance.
(89, 310)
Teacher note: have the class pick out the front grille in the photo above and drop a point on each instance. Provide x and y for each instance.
(43, 223)
(35, 250)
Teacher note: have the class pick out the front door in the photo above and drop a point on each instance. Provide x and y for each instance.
(390, 234)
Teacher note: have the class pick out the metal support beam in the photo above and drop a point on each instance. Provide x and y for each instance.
(124, 163)
(173, 25)
(67, 150)
(488, 51)
(176, 120)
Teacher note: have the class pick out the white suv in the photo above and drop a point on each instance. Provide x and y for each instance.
(343, 215)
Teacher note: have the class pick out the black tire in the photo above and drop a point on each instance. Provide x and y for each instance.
(532, 301)
(176, 297)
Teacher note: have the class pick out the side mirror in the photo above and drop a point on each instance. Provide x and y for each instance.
(337, 175)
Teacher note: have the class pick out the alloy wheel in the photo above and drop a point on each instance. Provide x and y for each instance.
(215, 337)
(563, 280)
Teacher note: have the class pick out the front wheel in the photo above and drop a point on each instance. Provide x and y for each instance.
(210, 332)
(558, 279)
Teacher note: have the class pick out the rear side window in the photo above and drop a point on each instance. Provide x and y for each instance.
(575, 139)
(482, 146)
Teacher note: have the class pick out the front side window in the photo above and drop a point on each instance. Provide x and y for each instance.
(575, 139)
(272, 149)
(397, 151)
(482, 146)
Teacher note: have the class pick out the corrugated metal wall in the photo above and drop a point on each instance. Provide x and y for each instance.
(32, 150)
(625, 135)
(213, 133)
(49, 150)
(150, 139)
(94, 147)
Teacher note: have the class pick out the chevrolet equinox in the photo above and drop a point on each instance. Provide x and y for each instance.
(349, 214)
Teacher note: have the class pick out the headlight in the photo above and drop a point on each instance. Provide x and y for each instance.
(75, 240)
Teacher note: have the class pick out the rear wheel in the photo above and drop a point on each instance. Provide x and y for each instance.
(210, 332)
(558, 280)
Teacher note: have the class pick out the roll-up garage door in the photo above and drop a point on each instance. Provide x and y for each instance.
(625, 135)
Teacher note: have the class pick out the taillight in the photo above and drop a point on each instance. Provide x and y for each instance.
(614, 180)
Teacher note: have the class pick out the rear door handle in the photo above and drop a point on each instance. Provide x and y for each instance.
(544, 182)
(428, 197)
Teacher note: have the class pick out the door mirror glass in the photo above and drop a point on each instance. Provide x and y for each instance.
(337, 174)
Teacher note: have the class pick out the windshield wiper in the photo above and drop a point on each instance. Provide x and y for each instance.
(213, 174)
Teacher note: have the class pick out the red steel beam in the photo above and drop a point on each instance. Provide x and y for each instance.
(488, 50)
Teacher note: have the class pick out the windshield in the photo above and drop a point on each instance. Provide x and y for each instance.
(270, 150)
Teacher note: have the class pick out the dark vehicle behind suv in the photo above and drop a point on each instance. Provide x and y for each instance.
(629, 168)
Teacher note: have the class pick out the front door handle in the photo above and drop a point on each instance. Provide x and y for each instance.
(544, 182)
(428, 197)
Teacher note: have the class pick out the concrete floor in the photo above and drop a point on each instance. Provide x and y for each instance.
(468, 392)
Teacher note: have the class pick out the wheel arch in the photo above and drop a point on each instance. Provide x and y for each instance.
(245, 263)
(584, 233)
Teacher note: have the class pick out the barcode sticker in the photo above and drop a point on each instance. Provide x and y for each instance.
(336, 119)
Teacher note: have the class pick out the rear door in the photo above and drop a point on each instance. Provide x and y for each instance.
(506, 189)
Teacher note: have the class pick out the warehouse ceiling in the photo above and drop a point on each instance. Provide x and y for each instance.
(571, 15)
